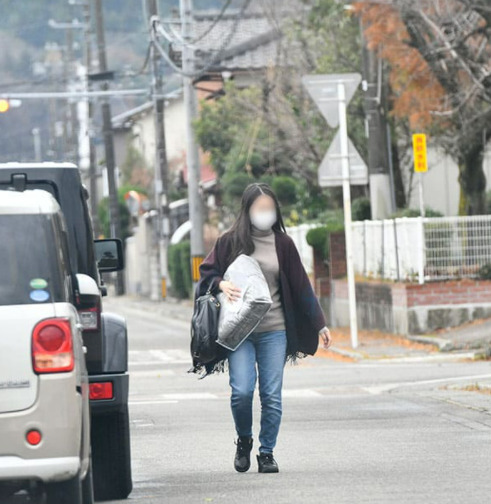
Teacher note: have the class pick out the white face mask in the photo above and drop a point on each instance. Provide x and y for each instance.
(263, 219)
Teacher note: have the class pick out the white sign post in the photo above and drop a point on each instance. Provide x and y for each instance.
(332, 93)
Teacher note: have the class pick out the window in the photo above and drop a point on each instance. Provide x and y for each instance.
(30, 266)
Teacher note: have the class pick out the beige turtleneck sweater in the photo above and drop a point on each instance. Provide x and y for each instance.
(265, 255)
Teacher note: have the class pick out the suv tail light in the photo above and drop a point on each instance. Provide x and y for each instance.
(90, 316)
(52, 346)
(100, 390)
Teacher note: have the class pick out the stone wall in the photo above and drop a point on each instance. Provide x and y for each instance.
(412, 308)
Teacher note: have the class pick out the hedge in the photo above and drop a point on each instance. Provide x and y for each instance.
(179, 264)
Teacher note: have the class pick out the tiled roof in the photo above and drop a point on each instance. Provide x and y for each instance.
(253, 42)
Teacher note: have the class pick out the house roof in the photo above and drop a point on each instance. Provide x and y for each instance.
(252, 42)
(120, 121)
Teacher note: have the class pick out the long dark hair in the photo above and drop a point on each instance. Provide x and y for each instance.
(241, 229)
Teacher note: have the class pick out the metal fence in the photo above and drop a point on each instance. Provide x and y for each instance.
(422, 249)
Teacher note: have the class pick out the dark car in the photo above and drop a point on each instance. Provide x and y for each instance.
(104, 334)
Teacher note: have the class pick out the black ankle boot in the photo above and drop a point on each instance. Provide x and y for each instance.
(242, 460)
(266, 463)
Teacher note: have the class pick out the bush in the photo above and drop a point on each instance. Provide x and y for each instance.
(286, 189)
(124, 214)
(361, 209)
(485, 272)
(317, 238)
(412, 212)
(233, 185)
(179, 264)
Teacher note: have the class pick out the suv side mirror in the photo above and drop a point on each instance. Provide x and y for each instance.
(88, 302)
(109, 254)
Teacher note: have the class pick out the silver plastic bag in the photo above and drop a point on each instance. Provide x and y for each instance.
(239, 318)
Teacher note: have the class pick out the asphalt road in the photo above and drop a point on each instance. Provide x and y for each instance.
(351, 432)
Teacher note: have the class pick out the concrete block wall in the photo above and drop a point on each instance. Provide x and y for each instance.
(412, 308)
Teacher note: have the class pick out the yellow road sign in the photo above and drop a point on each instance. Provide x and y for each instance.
(420, 153)
(195, 264)
(163, 287)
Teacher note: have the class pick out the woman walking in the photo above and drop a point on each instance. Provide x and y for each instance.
(289, 330)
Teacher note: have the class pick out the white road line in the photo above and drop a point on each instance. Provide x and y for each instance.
(157, 356)
(196, 396)
(158, 373)
(143, 403)
(299, 393)
(189, 395)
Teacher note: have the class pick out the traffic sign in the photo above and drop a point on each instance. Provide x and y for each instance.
(331, 168)
(420, 153)
(332, 93)
(323, 89)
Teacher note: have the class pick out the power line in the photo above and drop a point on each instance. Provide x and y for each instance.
(155, 21)
(213, 24)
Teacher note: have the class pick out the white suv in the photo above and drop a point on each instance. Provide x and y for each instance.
(44, 391)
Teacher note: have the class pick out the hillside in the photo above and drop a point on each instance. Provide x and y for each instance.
(29, 65)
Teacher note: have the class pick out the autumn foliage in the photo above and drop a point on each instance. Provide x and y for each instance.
(417, 94)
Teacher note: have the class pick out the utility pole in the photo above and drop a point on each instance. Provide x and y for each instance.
(161, 165)
(71, 135)
(90, 113)
(381, 180)
(115, 223)
(192, 154)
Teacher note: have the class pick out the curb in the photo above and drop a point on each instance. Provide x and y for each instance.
(442, 344)
(447, 346)
(444, 356)
(347, 353)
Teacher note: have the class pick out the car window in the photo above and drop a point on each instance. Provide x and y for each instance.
(74, 207)
(30, 267)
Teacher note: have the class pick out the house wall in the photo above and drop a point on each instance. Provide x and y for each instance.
(441, 187)
(143, 133)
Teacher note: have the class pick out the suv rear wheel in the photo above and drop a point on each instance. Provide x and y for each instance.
(111, 454)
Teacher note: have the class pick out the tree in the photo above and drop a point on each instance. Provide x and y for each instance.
(104, 217)
(134, 170)
(439, 53)
(272, 128)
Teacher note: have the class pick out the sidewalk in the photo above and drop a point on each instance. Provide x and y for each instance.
(471, 341)
(474, 335)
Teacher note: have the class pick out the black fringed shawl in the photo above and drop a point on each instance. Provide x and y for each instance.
(304, 317)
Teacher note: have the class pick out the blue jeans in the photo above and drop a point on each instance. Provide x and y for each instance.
(268, 349)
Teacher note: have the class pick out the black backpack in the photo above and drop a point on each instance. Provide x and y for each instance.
(204, 328)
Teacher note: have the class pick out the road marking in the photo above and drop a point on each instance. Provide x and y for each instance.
(142, 403)
(378, 389)
(206, 396)
(156, 356)
(157, 373)
(299, 393)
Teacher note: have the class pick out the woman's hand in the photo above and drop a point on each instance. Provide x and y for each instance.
(230, 290)
(325, 334)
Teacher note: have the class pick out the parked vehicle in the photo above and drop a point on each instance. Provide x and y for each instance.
(104, 334)
(44, 389)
